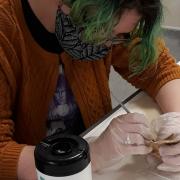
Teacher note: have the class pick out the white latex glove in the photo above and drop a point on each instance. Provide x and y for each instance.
(124, 136)
(170, 154)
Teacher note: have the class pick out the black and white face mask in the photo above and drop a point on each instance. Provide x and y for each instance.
(69, 37)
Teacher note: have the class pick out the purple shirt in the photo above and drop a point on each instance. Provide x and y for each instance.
(64, 114)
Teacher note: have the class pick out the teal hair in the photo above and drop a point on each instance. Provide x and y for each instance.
(99, 17)
(146, 52)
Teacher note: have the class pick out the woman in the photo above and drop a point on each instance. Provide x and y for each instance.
(55, 59)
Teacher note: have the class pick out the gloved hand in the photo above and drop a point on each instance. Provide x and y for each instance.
(170, 154)
(124, 136)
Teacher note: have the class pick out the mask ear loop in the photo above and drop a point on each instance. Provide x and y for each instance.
(64, 8)
(60, 4)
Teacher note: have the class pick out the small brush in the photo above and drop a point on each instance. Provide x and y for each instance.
(124, 107)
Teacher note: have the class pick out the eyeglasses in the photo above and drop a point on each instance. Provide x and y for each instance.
(116, 41)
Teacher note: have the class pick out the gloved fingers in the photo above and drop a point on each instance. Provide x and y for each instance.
(118, 136)
(134, 118)
(172, 160)
(136, 150)
(166, 131)
(137, 128)
(168, 168)
(170, 123)
(169, 150)
(131, 138)
(170, 116)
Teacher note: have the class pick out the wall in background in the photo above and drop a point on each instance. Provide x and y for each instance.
(172, 13)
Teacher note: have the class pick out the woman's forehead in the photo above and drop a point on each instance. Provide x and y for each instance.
(131, 13)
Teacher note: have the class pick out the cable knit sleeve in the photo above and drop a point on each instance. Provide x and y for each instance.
(9, 149)
(154, 77)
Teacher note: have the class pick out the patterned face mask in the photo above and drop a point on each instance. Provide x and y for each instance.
(69, 37)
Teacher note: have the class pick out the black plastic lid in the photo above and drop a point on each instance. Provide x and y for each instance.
(62, 155)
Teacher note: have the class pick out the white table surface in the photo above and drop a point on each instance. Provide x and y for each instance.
(141, 103)
(136, 167)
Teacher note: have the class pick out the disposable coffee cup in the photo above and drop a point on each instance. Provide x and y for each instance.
(63, 157)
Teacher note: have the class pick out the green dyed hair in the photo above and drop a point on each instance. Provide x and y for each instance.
(99, 17)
